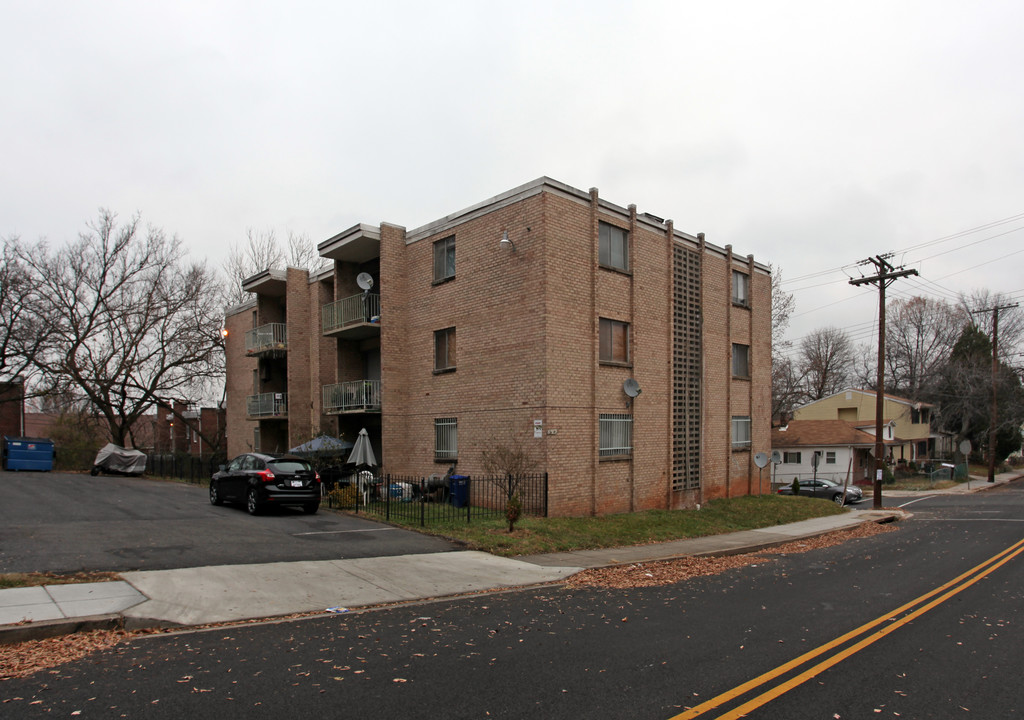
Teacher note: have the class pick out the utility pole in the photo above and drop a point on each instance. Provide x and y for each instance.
(995, 373)
(886, 274)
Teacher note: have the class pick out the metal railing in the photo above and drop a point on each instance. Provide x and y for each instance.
(191, 468)
(273, 336)
(354, 310)
(419, 500)
(356, 395)
(267, 405)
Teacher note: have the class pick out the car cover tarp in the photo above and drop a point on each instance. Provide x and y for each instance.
(118, 459)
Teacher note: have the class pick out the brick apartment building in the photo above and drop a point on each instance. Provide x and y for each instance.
(528, 316)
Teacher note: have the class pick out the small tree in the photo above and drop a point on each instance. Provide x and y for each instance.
(508, 464)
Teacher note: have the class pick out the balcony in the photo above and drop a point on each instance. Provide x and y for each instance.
(270, 340)
(267, 405)
(356, 317)
(346, 397)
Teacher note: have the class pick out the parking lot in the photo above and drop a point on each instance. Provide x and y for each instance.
(62, 522)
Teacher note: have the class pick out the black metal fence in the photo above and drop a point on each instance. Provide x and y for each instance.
(181, 466)
(418, 500)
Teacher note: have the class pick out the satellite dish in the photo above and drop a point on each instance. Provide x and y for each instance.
(631, 387)
(777, 457)
(364, 280)
(761, 460)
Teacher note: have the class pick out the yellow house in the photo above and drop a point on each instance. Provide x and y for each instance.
(914, 440)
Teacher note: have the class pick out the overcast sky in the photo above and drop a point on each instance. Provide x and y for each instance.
(809, 134)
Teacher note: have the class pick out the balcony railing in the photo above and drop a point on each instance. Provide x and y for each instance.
(273, 336)
(352, 396)
(267, 405)
(347, 312)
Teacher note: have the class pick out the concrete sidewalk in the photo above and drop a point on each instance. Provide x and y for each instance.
(198, 596)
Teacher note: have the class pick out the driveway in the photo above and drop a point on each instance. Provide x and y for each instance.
(62, 522)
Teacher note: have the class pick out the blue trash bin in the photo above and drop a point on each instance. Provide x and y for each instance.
(28, 454)
(459, 489)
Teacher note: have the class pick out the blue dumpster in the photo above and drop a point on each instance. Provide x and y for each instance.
(459, 489)
(28, 454)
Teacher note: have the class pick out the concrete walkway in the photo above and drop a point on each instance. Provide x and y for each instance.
(198, 596)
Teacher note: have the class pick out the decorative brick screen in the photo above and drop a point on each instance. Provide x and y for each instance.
(686, 369)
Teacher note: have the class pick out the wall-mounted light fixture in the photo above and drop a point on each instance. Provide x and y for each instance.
(506, 242)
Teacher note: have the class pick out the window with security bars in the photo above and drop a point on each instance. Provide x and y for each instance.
(740, 432)
(616, 434)
(446, 438)
(444, 259)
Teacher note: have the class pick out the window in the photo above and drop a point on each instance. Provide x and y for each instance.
(613, 246)
(740, 432)
(616, 432)
(791, 458)
(256, 439)
(830, 457)
(740, 288)
(446, 439)
(444, 259)
(740, 360)
(444, 350)
(614, 341)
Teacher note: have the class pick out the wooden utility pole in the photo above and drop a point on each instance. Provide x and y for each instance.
(885, 276)
(994, 418)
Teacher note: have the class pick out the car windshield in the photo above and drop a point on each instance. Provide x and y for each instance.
(288, 466)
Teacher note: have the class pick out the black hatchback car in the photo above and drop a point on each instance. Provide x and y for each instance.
(260, 480)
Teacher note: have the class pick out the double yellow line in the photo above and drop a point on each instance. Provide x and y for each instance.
(894, 620)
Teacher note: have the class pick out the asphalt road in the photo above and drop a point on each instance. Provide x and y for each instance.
(636, 653)
(66, 523)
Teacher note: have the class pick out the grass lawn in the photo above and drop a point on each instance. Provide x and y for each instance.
(544, 535)
(13, 580)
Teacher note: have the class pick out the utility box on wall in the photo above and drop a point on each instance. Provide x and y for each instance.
(28, 454)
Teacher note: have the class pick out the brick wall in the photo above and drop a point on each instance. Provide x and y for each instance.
(239, 383)
(12, 406)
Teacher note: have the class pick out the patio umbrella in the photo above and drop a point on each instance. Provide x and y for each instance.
(324, 445)
(362, 453)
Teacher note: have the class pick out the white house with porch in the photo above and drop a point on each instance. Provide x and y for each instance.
(836, 450)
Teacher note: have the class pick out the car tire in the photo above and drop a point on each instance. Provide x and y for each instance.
(95, 471)
(215, 498)
(311, 508)
(252, 502)
(838, 499)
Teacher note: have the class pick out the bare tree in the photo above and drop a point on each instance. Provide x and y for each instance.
(259, 252)
(978, 305)
(302, 252)
(509, 463)
(24, 326)
(826, 362)
(785, 388)
(962, 393)
(262, 251)
(920, 335)
(131, 322)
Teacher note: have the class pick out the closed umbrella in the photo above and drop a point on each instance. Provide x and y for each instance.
(362, 453)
